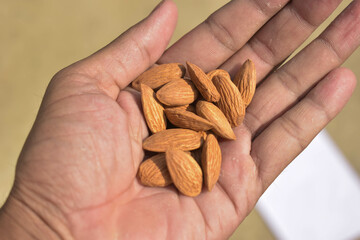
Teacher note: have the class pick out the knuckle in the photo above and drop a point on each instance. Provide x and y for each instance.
(221, 33)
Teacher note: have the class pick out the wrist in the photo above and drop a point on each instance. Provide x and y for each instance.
(21, 218)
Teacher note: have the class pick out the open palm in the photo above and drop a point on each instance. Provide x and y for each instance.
(77, 171)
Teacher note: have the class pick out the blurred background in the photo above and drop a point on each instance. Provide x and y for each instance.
(40, 37)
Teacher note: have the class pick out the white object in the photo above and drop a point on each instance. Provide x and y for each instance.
(316, 197)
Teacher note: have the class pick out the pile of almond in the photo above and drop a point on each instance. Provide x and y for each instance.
(200, 107)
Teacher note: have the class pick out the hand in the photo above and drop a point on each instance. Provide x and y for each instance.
(76, 175)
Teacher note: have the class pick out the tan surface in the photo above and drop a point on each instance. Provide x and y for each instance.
(40, 37)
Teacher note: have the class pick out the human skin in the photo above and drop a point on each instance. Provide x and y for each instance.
(76, 175)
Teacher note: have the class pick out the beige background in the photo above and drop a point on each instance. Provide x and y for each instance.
(40, 37)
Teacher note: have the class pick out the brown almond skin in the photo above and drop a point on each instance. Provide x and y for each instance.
(230, 103)
(213, 114)
(187, 107)
(185, 172)
(177, 93)
(203, 83)
(152, 109)
(186, 119)
(153, 172)
(245, 80)
(183, 139)
(159, 75)
(211, 161)
(217, 72)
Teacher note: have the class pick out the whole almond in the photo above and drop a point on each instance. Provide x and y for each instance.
(183, 139)
(177, 93)
(218, 72)
(245, 80)
(211, 161)
(185, 172)
(203, 83)
(230, 103)
(213, 114)
(153, 110)
(159, 75)
(153, 172)
(186, 119)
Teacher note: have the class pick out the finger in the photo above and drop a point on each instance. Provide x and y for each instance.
(289, 83)
(223, 33)
(288, 135)
(133, 51)
(279, 37)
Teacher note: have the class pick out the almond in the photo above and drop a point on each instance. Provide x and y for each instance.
(186, 119)
(211, 161)
(214, 115)
(183, 139)
(153, 172)
(185, 172)
(218, 72)
(159, 75)
(153, 110)
(245, 80)
(177, 93)
(203, 83)
(230, 103)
